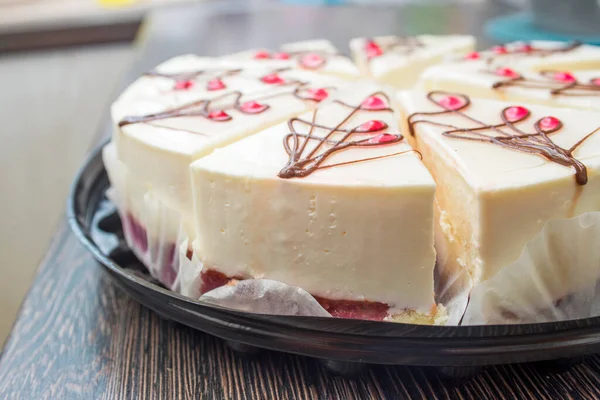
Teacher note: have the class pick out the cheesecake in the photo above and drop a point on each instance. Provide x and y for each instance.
(398, 61)
(334, 201)
(312, 55)
(556, 74)
(539, 55)
(182, 111)
(503, 170)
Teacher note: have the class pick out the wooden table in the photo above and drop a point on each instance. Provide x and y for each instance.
(79, 337)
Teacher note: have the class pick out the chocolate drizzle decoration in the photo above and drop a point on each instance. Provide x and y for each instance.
(308, 59)
(231, 100)
(506, 134)
(185, 76)
(556, 82)
(301, 164)
(527, 49)
(200, 108)
(403, 45)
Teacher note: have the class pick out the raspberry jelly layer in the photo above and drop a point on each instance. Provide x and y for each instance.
(353, 309)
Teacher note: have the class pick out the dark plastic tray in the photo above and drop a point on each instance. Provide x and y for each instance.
(344, 345)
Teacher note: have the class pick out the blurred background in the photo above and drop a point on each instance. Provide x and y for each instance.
(63, 61)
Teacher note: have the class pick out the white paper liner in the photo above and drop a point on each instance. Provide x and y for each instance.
(152, 230)
(262, 296)
(189, 278)
(452, 289)
(265, 296)
(554, 279)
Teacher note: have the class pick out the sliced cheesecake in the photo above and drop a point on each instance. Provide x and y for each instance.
(550, 73)
(539, 55)
(334, 201)
(158, 135)
(503, 170)
(312, 55)
(174, 115)
(399, 61)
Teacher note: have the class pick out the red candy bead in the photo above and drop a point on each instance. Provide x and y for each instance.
(566, 77)
(473, 56)
(311, 60)
(272, 79)
(372, 49)
(549, 123)
(317, 94)
(262, 55)
(525, 48)
(253, 107)
(281, 56)
(374, 103)
(383, 138)
(516, 113)
(215, 84)
(218, 115)
(183, 85)
(507, 72)
(499, 50)
(372, 126)
(451, 102)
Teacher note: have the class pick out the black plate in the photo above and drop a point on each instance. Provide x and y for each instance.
(94, 221)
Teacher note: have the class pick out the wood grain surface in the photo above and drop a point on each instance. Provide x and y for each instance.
(79, 337)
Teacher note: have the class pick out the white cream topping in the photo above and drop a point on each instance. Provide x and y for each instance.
(489, 167)
(357, 231)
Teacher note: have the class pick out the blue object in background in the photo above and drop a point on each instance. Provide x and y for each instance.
(520, 26)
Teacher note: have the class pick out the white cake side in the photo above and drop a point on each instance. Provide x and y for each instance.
(358, 226)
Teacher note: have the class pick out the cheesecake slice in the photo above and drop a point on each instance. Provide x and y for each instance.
(539, 55)
(312, 55)
(174, 115)
(503, 170)
(524, 72)
(158, 135)
(334, 201)
(398, 61)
